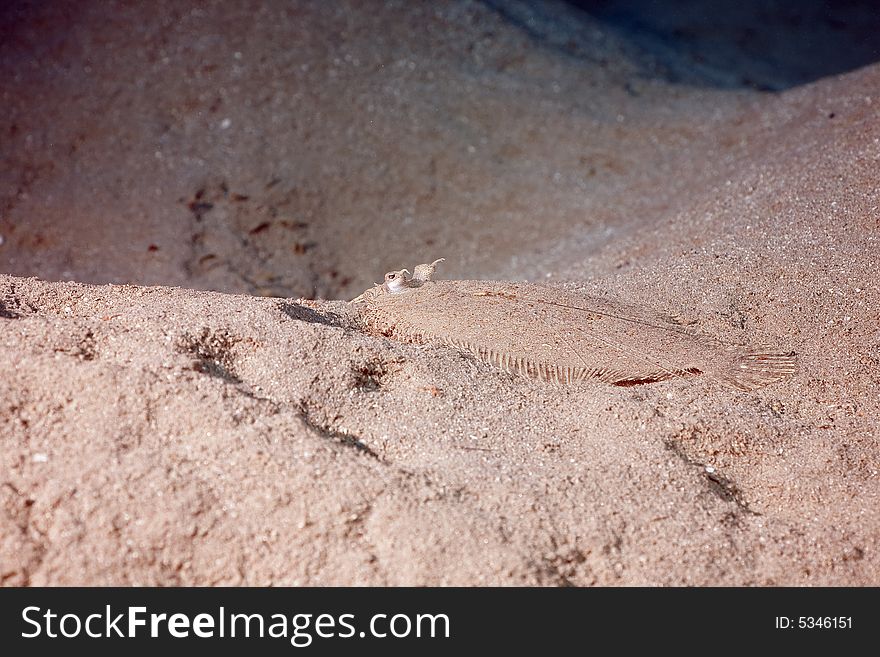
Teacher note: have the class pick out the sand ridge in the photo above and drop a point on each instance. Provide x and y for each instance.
(155, 435)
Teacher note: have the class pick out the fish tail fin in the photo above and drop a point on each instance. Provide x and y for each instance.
(755, 368)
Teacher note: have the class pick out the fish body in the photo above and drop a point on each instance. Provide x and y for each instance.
(552, 334)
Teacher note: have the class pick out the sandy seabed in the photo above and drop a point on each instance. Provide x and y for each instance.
(173, 180)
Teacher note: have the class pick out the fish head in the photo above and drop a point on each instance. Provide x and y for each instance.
(396, 281)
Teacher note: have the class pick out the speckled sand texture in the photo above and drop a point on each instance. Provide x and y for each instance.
(157, 432)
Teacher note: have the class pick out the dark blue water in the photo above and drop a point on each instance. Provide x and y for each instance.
(763, 44)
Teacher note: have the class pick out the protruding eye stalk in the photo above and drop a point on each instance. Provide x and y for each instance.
(398, 281)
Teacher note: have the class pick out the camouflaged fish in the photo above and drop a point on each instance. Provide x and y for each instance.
(551, 334)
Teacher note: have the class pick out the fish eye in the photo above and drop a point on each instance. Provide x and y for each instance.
(392, 276)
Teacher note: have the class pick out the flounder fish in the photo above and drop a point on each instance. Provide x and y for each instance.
(552, 334)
